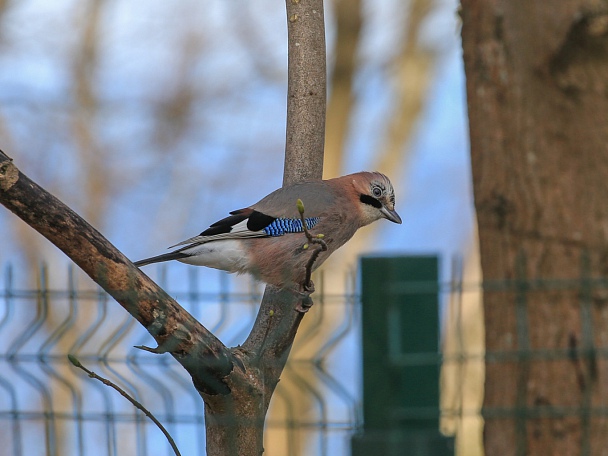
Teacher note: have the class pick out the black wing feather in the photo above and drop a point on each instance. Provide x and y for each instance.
(225, 225)
(258, 221)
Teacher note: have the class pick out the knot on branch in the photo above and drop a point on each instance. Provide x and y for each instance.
(9, 174)
(584, 46)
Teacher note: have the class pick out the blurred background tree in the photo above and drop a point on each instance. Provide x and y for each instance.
(537, 80)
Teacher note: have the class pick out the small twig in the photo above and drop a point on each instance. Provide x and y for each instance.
(311, 262)
(156, 351)
(126, 395)
(308, 287)
(318, 239)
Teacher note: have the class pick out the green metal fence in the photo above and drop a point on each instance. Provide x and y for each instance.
(401, 358)
(410, 329)
(47, 407)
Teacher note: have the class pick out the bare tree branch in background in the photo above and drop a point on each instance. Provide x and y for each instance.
(413, 67)
(29, 242)
(173, 116)
(341, 99)
(95, 179)
(463, 369)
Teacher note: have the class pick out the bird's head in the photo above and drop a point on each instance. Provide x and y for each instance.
(376, 197)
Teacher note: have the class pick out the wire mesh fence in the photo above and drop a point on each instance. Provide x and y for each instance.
(48, 407)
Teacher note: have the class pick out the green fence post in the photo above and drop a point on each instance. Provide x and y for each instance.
(401, 359)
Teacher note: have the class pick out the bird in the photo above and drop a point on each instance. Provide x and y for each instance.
(267, 239)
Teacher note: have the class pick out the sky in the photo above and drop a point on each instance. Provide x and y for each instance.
(216, 158)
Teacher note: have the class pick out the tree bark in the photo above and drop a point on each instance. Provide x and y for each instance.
(306, 91)
(537, 79)
(205, 358)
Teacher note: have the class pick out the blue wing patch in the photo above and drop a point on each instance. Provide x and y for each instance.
(282, 226)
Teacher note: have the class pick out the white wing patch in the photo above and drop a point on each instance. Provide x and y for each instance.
(239, 231)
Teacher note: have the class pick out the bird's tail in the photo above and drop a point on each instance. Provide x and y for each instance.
(160, 258)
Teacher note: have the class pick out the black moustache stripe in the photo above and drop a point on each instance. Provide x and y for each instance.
(366, 199)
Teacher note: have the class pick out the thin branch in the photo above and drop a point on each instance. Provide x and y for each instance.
(318, 239)
(307, 287)
(127, 396)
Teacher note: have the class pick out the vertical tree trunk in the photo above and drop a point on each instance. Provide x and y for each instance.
(537, 85)
(235, 421)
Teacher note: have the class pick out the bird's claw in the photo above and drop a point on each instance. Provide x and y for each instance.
(309, 287)
(304, 300)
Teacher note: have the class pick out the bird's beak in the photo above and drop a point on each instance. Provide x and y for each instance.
(391, 215)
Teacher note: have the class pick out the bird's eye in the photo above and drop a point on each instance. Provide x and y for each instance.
(377, 192)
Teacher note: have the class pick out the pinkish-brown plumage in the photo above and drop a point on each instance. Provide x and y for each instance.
(241, 242)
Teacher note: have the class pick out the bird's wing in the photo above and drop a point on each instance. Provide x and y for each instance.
(318, 198)
(248, 223)
(234, 226)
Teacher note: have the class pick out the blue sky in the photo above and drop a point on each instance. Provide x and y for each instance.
(239, 120)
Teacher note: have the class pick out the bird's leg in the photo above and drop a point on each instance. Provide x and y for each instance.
(308, 287)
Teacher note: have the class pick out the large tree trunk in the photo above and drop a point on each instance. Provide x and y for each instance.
(537, 85)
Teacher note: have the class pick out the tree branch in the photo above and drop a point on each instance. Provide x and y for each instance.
(76, 363)
(318, 240)
(204, 356)
(306, 91)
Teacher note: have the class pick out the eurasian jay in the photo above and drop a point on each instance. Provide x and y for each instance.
(267, 240)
